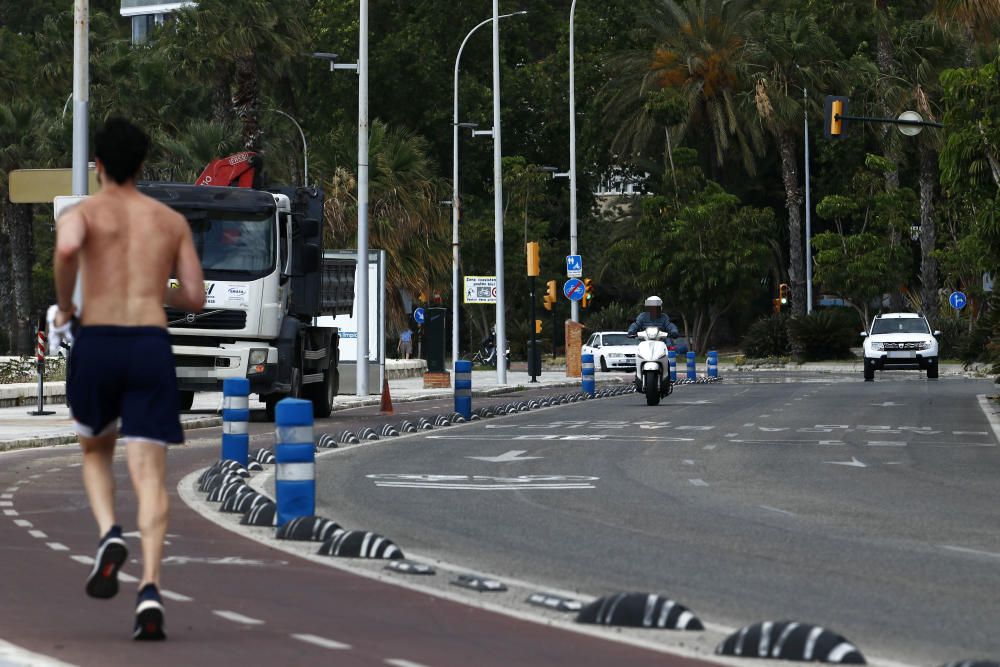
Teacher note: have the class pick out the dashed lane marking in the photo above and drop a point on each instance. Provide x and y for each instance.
(322, 642)
(397, 662)
(6, 496)
(10, 512)
(698, 482)
(75, 465)
(709, 447)
(86, 560)
(236, 618)
(730, 435)
(974, 552)
(11, 654)
(23, 523)
(689, 462)
(128, 578)
(11, 489)
(776, 509)
(37, 533)
(57, 546)
(6, 503)
(35, 476)
(54, 469)
(176, 597)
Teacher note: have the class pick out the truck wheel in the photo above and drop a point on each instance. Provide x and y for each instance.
(932, 368)
(323, 393)
(185, 399)
(652, 381)
(869, 370)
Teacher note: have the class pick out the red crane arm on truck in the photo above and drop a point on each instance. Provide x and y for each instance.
(238, 170)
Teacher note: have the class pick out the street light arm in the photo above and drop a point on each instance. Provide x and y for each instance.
(305, 147)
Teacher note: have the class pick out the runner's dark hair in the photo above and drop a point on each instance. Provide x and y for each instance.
(121, 147)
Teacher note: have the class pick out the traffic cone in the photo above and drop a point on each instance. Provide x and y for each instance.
(386, 406)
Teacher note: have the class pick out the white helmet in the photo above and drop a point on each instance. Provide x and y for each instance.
(654, 301)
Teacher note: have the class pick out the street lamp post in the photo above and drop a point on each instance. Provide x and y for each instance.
(456, 207)
(809, 273)
(501, 309)
(574, 306)
(81, 95)
(305, 147)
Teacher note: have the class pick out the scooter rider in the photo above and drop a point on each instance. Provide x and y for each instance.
(653, 316)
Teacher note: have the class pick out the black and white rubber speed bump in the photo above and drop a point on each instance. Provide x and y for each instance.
(308, 529)
(639, 610)
(360, 544)
(326, 441)
(249, 502)
(264, 514)
(254, 466)
(263, 455)
(229, 465)
(456, 418)
(223, 491)
(484, 413)
(389, 431)
(407, 427)
(405, 566)
(367, 434)
(424, 425)
(441, 420)
(347, 438)
(787, 640)
(231, 503)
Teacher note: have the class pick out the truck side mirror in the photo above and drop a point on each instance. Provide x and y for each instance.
(310, 258)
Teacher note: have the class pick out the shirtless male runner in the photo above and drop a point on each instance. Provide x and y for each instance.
(126, 247)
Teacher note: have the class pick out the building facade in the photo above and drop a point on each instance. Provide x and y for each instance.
(147, 14)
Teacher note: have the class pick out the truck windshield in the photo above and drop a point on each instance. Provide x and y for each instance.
(915, 325)
(234, 246)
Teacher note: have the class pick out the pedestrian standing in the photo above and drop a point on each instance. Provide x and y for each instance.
(405, 345)
(126, 247)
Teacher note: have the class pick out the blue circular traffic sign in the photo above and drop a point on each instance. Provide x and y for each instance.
(957, 300)
(574, 289)
(418, 315)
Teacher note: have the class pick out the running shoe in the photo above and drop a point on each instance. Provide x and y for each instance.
(148, 614)
(111, 555)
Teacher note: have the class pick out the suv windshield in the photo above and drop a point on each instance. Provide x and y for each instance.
(913, 325)
(234, 246)
(618, 339)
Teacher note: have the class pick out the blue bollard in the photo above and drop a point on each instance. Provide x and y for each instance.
(692, 372)
(588, 384)
(295, 460)
(235, 418)
(672, 364)
(713, 364)
(463, 388)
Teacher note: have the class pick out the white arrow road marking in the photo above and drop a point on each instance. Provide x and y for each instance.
(506, 457)
(854, 463)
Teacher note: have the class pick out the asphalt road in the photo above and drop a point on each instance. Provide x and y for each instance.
(869, 508)
(231, 600)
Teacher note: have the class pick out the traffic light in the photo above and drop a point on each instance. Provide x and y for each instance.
(834, 126)
(550, 294)
(588, 293)
(538, 326)
(533, 261)
(783, 293)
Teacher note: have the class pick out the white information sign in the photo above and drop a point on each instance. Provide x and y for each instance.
(480, 289)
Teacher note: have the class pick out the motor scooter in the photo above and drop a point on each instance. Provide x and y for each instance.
(652, 371)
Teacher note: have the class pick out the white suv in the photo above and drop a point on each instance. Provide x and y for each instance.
(900, 340)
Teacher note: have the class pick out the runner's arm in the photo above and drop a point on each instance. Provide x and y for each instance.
(71, 230)
(190, 294)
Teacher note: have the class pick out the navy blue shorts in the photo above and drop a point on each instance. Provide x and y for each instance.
(124, 373)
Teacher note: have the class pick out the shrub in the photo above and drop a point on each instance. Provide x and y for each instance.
(954, 339)
(826, 334)
(767, 337)
(613, 317)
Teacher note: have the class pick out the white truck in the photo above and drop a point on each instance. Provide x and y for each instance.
(266, 282)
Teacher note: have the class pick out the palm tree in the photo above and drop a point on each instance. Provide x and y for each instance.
(405, 218)
(973, 18)
(786, 39)
(698, 48)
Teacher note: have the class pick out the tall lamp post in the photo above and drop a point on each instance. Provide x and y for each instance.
(361, 284)
(809, 271)
(305, 147)
(81, 95)
(574, 305)
(456, 208)
(501, 310)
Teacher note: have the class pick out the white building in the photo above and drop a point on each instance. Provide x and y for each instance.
(147, 14)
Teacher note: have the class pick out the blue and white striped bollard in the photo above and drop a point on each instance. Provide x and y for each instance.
(235, 419)
(692, 372)
(672, 364)
(588, 384)
(713, 364)
(295, 460)
(463, 388)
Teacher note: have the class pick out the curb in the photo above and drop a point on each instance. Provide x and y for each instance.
(73, 438)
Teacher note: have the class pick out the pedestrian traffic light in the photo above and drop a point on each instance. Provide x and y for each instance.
(588, 293)
(784, 293)
(834, 126)
(533, 261)
(550, 294)
(538, 326)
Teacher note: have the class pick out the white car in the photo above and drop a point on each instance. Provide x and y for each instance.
(612, 350)
(900, 340)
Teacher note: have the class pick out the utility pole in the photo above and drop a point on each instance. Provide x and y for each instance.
(501, 338)
(81, 95)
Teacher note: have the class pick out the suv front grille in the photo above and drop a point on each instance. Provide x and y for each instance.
(902, 346)
(219, 319)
